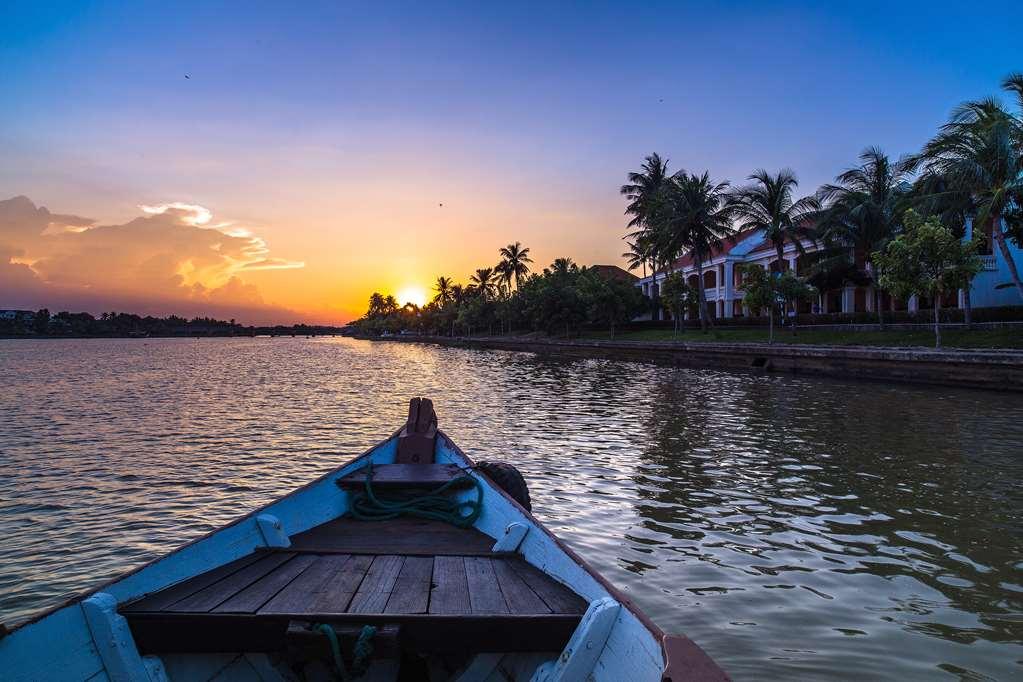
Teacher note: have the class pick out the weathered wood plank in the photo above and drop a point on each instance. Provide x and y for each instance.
(484, 594)
(297, 595)
(376, 587)
(158, 601)
(558, 597)
(260, 592)
(519, 596)
(450, 593)
(338, 592)
(405, 535)
(392, 476)
(209, 597)
(411, 592)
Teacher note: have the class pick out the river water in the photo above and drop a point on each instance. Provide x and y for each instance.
(794, 527)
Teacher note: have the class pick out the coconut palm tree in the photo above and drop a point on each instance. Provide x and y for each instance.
(443, 289)
(767, 205)
(485, 282)
(861, 211)
(563, 266)
(643, 191)
(698, 218)
(514, 263)
(638, 254)
(980, 151)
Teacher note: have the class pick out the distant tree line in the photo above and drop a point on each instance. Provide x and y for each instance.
(559, 301)
(65, 323)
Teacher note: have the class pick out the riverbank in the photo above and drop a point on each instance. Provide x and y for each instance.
(976, 368)
(1006, 336)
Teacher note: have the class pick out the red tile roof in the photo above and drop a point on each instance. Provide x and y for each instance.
(730, 243)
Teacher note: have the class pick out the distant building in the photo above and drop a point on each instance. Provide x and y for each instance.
(17, 315)
(721, 279)
(614, 272)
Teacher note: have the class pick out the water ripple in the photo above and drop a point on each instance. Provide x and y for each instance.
(794, 527)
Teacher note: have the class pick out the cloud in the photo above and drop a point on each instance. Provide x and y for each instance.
(172, 254)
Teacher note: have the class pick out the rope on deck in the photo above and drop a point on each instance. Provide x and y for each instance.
(363, 651)
(368, 506)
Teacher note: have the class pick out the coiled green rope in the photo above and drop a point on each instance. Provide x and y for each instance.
(362, 654)
(368, 506)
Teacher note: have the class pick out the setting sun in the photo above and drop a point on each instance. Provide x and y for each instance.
(411, 294)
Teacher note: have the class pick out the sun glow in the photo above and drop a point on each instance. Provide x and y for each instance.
(411, 294)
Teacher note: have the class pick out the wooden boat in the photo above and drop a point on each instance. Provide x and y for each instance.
(301, 590)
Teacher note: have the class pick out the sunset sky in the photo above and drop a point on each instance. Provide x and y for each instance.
(280, 161)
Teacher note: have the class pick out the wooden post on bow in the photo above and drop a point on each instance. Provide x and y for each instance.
(419, 435)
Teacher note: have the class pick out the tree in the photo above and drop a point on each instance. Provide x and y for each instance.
(980, 151)
(791, 289)
(514, 263)
(608, 301)
(563, 266)
(643, 191)
(758, 292)
(485, 283)
(444, 294)
(677, 297)
(697, 220)
(862, 212)
(933, 194)
(927, 259)
(41, 321)
(767, 205)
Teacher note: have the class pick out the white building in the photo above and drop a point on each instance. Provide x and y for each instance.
(991, 287)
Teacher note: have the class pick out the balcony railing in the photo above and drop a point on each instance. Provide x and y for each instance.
(988, 262)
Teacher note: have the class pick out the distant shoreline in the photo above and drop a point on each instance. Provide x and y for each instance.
(163, 336)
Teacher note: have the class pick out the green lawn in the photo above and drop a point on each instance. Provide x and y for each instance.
(985, 338)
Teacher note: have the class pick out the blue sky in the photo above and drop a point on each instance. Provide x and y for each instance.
(315, 122)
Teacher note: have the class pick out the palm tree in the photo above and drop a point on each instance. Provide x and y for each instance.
(698, 219)
(563, 266)
(767, 205)
(980, 151)
(643, 191)
(443, 289)
(484, 282)
(862, 211)
(638, 254)
(514, 259)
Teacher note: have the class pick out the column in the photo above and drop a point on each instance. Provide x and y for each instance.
(822, 302)
(870, 299)
(848, 299)
(729, 288)
(913, 304)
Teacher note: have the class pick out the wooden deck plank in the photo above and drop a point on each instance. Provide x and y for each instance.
(411, 592)
(260, 592)
(450, 592)
(338, 592)
(558, 597)
(395, 476)
(484, 594)
(519, 596)
(208, 598)
(376, 587)
(299, 594)
(157, 601)
(405, 535)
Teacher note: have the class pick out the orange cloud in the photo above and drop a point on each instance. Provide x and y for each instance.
(171, 255)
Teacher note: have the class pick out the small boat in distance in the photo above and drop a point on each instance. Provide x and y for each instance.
(409, 562)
